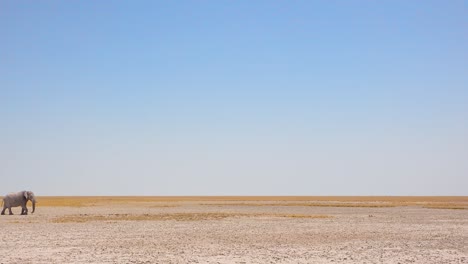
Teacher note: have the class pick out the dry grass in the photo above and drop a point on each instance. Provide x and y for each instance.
(432, 202)
(301, 216)
(23, 222)
(82, 218)
(141, 217)
(446, 206)
(163, 205)
(438, 202)
(304, 204)
(83, 201)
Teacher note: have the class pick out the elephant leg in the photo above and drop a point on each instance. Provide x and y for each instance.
(25, 211)
(9, 209)
(3, 211)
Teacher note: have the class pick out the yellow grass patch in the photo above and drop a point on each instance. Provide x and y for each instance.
(446, 206)
(23, 222)
(441, 202)
(304, 204)
(163, 205)
(141, 217)
(83, 201)
(447, 202)
(301, 216)
(82, 218)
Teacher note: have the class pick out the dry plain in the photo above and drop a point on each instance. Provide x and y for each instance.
(238, 230)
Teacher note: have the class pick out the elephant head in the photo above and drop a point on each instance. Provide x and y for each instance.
(31, 197)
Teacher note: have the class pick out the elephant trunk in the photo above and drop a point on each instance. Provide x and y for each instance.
(33, 205)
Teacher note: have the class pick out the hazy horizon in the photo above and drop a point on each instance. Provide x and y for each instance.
(234, 98)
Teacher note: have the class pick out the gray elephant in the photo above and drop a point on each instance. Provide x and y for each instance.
(19, 199)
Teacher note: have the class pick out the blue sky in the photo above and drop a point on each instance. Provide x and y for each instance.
(234, 97)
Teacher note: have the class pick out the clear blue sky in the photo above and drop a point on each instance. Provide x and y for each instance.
(234, 97)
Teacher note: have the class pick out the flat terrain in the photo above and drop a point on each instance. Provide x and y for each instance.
(238, 230)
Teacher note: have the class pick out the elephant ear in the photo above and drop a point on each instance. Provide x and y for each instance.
(26, 195)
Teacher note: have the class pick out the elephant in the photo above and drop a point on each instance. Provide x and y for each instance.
(19, 199)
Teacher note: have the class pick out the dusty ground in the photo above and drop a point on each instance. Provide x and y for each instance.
(225, 231)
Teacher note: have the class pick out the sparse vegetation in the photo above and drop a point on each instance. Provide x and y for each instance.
(82, 218)
(437, 202)
(301, 216)
(82, 201)
(304, 204)
(446, 206)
